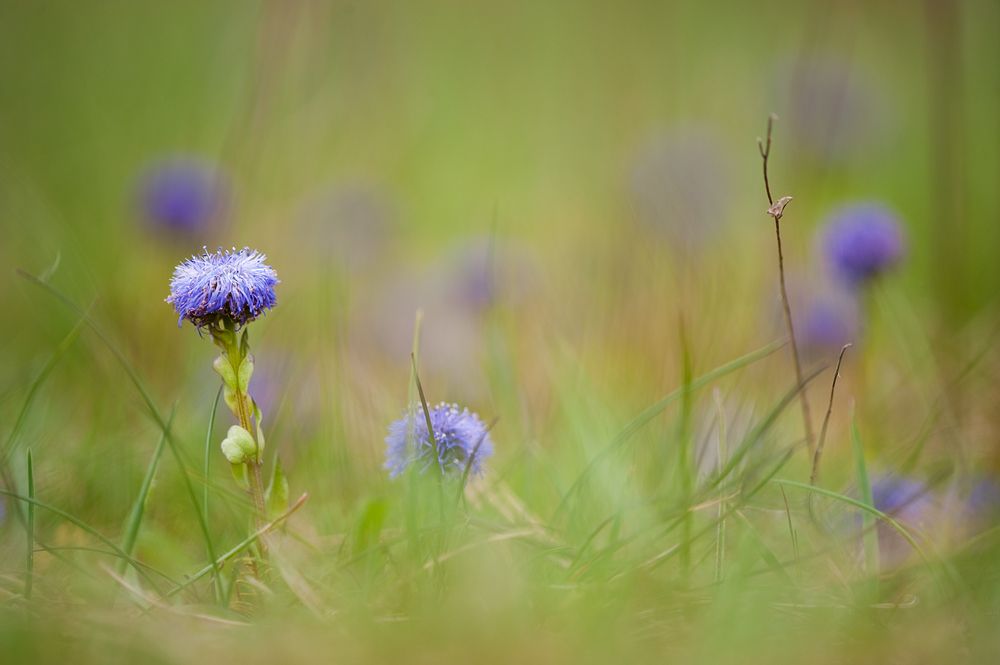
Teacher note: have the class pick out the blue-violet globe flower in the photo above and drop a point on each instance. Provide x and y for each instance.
(861, 241)
(184, 195)
(210, 287)
(459, 436)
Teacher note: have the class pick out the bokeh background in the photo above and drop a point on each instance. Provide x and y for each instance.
(570, 191)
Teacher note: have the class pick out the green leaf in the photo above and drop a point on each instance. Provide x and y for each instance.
(224, 368)
(246, 371)
(369, 524)
(240, 474)
(276, 496)
(259, 417)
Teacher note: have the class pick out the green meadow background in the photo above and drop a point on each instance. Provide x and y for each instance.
(501, 141)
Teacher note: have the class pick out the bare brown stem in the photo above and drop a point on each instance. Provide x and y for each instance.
(776, 210)
(826, 420)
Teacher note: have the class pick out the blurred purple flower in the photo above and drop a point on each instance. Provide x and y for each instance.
(906, 501)
(234, 284)
(459, 436)
(184, 195)
(679, 187)
(827, 322)
(483, 272)
(861, 241)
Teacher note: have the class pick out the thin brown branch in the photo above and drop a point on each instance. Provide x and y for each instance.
(776, 210)
(826, 420)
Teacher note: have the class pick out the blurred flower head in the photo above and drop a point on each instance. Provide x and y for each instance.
(236, 284)
(680, 187)
(861, 241)
(827, 321)
(903, 499)
(349, 224)
(459, 436)
(183, 195)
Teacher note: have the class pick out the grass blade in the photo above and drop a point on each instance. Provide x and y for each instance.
(204, 504)
(89, 529)
(868, 520)
(131, 529)
(655, 409)
(866, 508)
(29, 577)
(137, 382)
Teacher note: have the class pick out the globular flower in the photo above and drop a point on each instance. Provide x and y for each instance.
(828, 322)
(862, 241)
(183, 195)
(459, 436)
(236, 284)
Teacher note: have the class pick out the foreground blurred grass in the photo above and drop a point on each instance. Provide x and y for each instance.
(531, 115)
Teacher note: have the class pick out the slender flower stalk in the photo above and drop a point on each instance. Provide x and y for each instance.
(221, 293)
(776, 210)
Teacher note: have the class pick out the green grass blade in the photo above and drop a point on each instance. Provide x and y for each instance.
(866, 508)
(766, 553)
(89, 529)
(250, 540)
(868, 520)
(137, 382)
(39, 380)
(655, 409)
(30, 575)
(219, 591)
(131, 529)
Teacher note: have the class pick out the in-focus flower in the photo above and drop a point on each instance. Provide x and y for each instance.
(237, 285)
(459, 436)
(861, 241)
(183, 195)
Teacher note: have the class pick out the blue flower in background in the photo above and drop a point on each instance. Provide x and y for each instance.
(459, 436)
(183, 195)
(828, 322)
(903, 499)
(236, 284)
(861, 241)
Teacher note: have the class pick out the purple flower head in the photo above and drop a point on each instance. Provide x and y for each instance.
(459, 436)
(828, 322)
(234, 284)
(183, 195)
(902, 498)
(861, 241)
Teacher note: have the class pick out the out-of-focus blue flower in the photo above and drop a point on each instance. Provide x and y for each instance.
(458, 434)
(183, 195)
(907, 501)
(903, 499)
(827, 322)
(236, 284)
(861, 241)
(679, 187)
